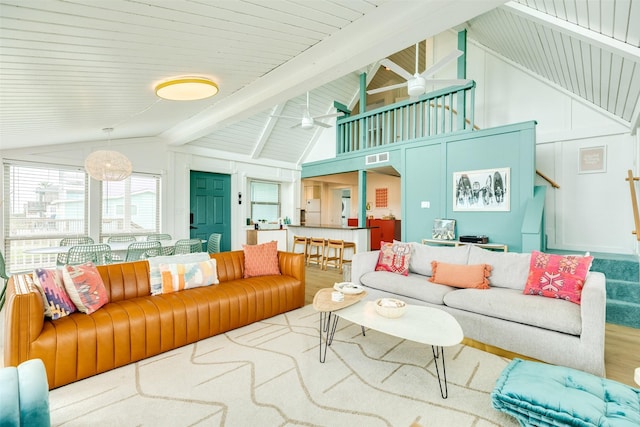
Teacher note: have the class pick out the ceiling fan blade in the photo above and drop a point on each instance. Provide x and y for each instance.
(286, 117)
(441, 64)
(324, 125)
(324, 116)
(396, 69)
(449, 81)
(386, 88)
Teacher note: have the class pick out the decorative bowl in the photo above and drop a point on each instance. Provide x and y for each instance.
(390, 307)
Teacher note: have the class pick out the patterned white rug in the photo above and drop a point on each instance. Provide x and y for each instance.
(268, 374)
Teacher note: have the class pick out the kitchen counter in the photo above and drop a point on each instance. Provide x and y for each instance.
(332, 227)
(357, 235)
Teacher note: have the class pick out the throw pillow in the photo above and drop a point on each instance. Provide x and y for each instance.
(155, 278)
(261, 260)
(56, 301)
(85, 287)
(176, 277)
(557, 276)
(394, 257)
(461, 275)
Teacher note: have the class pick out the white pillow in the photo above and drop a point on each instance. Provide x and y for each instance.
(509, 269)
(155, 278)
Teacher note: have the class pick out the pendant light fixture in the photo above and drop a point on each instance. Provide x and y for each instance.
(108, 165)
(187, 89)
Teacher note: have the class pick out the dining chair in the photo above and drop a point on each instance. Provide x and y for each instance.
(154, 237)
(122, 238)
(213, 244)
(72, 241)
(143, 250)
(5, 278)
(99, 254)
(187, 246)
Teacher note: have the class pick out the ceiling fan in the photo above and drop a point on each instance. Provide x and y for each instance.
(417, 83)
(307, 121)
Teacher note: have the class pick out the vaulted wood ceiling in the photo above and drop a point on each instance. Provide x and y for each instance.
(69, 68)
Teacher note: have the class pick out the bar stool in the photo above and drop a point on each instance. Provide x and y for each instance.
(300, 240)
(336, 258)
(316, 251)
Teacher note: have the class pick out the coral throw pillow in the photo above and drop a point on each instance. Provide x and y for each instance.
(56, 301)
(461, 275)
(176, 277)
(85, 287)
(261, 260)
(394, 257)
(557, 276)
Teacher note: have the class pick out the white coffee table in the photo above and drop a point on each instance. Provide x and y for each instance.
(424, 325)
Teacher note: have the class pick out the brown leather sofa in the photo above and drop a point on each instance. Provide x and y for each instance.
(135, 325)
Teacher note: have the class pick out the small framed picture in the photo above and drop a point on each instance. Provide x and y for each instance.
(482, 190)
(444, 229)
(593, 159)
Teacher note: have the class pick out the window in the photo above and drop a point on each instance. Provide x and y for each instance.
(131, 206)
(42, 204)
(265, 201)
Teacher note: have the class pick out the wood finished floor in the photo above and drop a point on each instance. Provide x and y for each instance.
(622, 344)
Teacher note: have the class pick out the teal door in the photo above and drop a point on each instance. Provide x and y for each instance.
(210, 201)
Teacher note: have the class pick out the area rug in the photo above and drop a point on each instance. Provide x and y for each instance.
(269, 374)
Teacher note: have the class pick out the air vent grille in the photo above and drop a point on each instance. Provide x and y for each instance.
(376, 158)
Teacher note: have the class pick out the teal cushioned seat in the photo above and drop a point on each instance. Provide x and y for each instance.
(537, 394)
(24, 395)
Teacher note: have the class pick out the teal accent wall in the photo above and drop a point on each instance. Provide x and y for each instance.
(427, 167)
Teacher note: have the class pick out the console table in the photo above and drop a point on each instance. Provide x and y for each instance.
(493, 246)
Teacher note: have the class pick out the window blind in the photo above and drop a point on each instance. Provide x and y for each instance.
(131, 206)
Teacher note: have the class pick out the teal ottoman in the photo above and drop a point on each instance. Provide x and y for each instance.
(537, 394)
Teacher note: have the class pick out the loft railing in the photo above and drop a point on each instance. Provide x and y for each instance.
(441, 112)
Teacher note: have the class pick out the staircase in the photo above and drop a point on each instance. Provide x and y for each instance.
(623, 287)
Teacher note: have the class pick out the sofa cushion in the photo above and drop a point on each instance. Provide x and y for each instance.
(509, 269)
(461, 275)
(176, 276)
(422, 255)
(85, 287)
(557, 276)
(56, 301)
(394, 257)
(155, 278)
(412, 286)
(261, 260)
(513, 305)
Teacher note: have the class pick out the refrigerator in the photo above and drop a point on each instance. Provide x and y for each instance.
(312, 212)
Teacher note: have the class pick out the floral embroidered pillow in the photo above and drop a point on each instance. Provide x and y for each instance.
(394, 257)
(557, 276)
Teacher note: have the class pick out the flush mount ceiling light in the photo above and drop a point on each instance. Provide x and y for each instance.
(107, 165)
(186, 89)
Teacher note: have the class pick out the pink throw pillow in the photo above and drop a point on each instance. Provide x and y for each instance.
(85, 287)
(557, 276)
(394, 257)
(261, 260)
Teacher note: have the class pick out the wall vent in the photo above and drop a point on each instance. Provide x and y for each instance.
(376, 158)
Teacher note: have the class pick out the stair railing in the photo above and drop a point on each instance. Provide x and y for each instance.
(634, 202)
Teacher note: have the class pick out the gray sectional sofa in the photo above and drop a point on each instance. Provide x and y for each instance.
(551, 330)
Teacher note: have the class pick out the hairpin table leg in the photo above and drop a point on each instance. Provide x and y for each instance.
(328, 329)
(438, 353)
